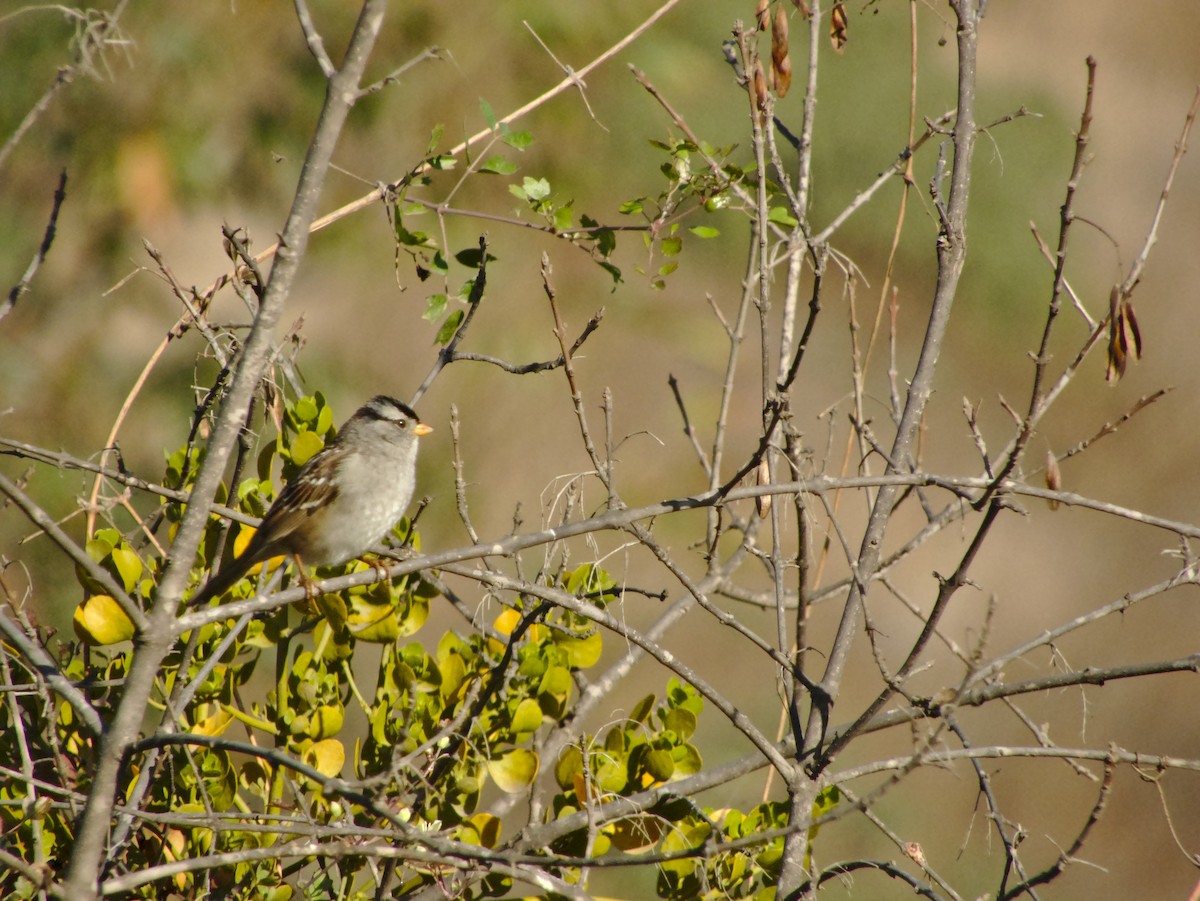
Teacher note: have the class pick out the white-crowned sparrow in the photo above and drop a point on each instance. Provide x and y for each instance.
(343, 500)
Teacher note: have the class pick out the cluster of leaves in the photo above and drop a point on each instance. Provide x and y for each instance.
(440, 725)
(426, 251)
(700, 177)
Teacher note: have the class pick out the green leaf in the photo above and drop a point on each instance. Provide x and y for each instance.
(717, 202)
(671, 246)
(781, 216)
(449, 327)
(680, 721)
(411, 239)
(536, 188)
(435, 306)
(489, 115)
(614, 741)
(518, 140)
(605, 238)
(659, 764)
(465, 289)
(435, 138)
(641, 710)
(498, 165)
(704, 231)
(629, 207)
(611, 270)
(563, 218)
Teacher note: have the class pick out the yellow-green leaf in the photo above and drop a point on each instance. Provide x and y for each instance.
(528, 716)
(611, 775)
(681, 721)
(687, 760)
(305, 409)
(333, 608)
(506, 621)
(514, 771)
(373, 622)
(211, 720)
(128, 564)
(414, 615)
(484, 829)
(642, 709)
(100, 621)
(326, 757)
(326, 721)
(454, 674)
(304, 446)
(660, 765)
(582, 652)
(569, 765)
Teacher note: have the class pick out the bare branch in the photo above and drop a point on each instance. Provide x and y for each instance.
(60, 194)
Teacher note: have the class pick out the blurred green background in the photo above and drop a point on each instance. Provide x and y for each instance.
(202, 117)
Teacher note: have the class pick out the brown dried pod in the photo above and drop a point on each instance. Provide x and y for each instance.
(782, 76)
(763, 501)
(762, 14)
(838, 34)
(762, 99)
(1124, 336)
(781, 63)
(802, 8)
(1053, 478)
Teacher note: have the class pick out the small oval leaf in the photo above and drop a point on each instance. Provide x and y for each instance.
(100, 621)
(514, 771)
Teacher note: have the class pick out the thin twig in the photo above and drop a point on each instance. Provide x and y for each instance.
(312, 38)
(60, 194)
(1139, 262)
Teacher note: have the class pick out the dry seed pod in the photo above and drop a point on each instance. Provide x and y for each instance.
(1124, 336)
(761, 96)
(1053, 478)
(782, 75)
(763, 501)
(838, 35)
(781, 63)
(762, 14)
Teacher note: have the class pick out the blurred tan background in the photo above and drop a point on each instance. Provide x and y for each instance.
(204, 119)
